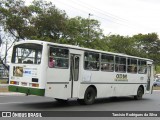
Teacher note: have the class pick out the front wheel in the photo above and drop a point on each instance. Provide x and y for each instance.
(89, 96)
(140, 93)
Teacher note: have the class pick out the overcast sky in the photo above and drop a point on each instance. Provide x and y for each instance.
(124, 17)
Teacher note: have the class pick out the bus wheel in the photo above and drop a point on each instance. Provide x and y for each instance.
(89, 96)
(139, 94)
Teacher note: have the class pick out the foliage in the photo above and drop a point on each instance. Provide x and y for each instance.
(77, 32)
(149, 46)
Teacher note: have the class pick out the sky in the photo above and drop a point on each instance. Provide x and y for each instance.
(124, 17)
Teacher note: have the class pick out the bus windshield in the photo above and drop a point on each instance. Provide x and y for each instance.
(27, 53)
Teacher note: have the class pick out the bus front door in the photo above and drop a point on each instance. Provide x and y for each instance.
(149, 73)
(74, 74)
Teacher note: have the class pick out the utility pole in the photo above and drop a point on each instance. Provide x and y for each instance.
(89, 25)
(6, 52)
(0, 44)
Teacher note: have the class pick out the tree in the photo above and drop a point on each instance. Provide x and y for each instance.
(48, 21)
(149, 45)
(41, 20)
(77, 33)
(121, 44)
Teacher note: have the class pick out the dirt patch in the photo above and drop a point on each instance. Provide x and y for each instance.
(156, 88)
(3, 89)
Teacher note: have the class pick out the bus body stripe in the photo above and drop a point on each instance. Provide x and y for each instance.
(108, 83)
(57, 82)
(92, 83)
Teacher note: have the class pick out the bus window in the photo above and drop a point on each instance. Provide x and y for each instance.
(142, 67)
(27, 53)
(120, 64)
(107, 62)
(91, 61)
(58, 57)
(132, 65)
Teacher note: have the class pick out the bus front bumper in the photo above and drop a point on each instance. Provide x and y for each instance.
(27, 90)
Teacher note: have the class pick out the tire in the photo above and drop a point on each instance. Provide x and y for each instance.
(155, 85)
(89, 97)
(140, 93)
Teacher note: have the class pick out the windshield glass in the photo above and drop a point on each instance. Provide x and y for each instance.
(27, 53)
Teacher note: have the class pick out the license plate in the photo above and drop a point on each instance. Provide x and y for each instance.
(24, 84)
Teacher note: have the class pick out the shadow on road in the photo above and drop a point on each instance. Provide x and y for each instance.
(72, 103)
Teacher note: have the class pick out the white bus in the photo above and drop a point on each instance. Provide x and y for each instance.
(65, 71)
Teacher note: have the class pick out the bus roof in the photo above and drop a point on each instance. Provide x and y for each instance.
(79, 48)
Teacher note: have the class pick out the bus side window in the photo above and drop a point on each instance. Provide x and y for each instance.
(107, 62)
(91, 61)
(142, 67)
(132, 65)
(120, 64)
(58, 57)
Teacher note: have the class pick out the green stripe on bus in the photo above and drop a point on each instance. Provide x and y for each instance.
(26, 90)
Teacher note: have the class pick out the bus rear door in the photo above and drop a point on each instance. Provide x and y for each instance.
(149, 77)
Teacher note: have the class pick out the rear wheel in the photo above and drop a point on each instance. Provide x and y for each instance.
(140, 93)
(89, 96)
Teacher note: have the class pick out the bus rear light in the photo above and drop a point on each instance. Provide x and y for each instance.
(35, 85)
(14, 82)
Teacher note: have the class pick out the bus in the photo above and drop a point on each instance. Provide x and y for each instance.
(64, 72)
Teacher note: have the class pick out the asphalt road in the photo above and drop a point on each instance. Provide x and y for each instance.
(36, 103)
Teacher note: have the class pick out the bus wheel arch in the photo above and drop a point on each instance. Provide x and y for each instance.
(89, 95)
(140, 93)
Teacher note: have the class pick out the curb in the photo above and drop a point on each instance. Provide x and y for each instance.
(156, 90)
(11, 94)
